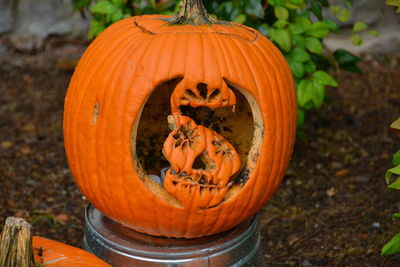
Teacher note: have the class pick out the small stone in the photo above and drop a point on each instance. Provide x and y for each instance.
(361, 179)
(29, 127)
(341, 172)
(376, 225)
(331, 192)
(28, 79)
(336, 165)
(306, 263)
(6, 144)
(25, 150)
(62, 217)
(32, 182)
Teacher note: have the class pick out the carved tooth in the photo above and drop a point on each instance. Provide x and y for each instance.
(171, 122)
(202, 190)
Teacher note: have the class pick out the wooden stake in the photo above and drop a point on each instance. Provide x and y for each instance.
(16, 244)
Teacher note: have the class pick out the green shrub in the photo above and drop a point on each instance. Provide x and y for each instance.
(393, 246)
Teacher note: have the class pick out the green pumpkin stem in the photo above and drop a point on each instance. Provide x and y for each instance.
(192, 12)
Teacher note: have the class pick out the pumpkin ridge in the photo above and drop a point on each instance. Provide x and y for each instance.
(284, 102)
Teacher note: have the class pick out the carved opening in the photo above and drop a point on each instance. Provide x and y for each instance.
(233, 131)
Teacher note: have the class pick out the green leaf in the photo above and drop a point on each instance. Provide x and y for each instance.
(309, 67)
(344, 15)
(296, 28)
(321, 62)
(335, 9)
(356, 39)
(319, 29)
(359, 26)
(104, 8)
(297, 69)
(393, 3)
(395, 185)
(241, 18)
(373, 33)
(228, 11)
(332, 25)
(80, 4)
(396, 215)
(318, 95)
(349, 3)
(295, 4)
(304, 92)
(316, 9)
(264, 29)
(324, 3)
(276, 2)
(254, 8)
(119, 3)
(282, 38)
(299, 41)
(281, 13)
(303, 21)
(300, 117)
(116, 16)
(323, 78)
(96, 27)
(299, 55)
(280, 24)
(388, 176)
(347, 60)
(313, 45)
(392, 247)
(396, 158)
(396, 124)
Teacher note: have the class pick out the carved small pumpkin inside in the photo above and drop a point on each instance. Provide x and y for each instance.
(180, 127)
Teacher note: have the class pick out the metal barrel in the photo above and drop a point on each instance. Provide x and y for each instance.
(123, 247)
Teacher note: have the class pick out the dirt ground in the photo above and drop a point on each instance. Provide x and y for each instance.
(332, 209)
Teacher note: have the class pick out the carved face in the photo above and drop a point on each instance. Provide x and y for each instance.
(141, 76)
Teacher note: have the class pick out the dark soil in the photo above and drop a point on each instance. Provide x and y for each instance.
(333, 208)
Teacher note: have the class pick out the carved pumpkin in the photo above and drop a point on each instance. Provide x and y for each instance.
(191, 62)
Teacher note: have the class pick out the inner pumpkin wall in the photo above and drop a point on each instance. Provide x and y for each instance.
(235, 124)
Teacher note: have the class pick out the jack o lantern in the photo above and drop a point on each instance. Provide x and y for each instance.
(207, 106)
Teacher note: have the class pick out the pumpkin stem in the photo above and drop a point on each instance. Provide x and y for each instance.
(192, 12)
(16, 244)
